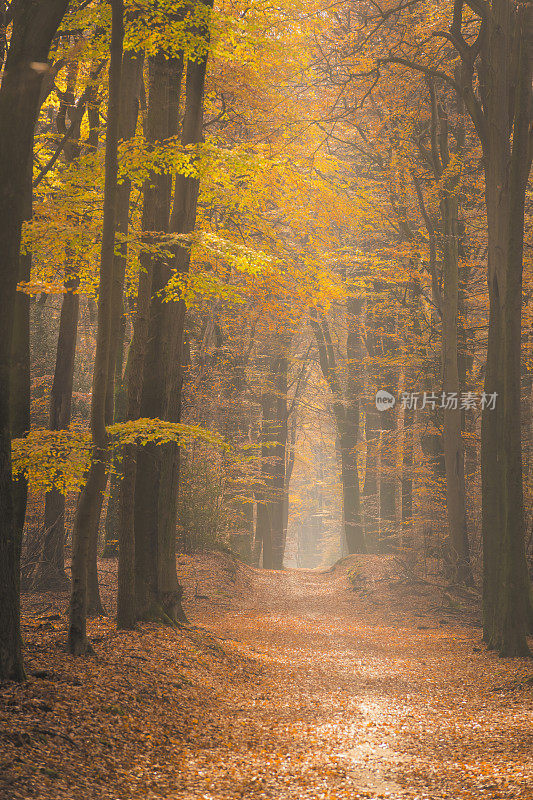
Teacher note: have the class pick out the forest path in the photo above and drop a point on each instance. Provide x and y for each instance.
(293, 685)
(357, 700)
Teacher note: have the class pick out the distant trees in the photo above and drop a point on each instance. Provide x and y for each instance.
(499, 54)
(485, 63)
(344, 385)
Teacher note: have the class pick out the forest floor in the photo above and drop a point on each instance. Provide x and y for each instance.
(294, 685)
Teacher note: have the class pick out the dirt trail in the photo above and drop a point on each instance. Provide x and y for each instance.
(290, 685)
(362, 702)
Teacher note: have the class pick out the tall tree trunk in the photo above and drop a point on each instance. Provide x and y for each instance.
(271, 493)
(452, 435)
(33, 28)
(20, 381)
(132, 65)
(263, 524)
(506, 603)
(163, 104)
(349, 435)
(133, 544)
(51, 569)
(348, 439)
(372, 423)
(515, 613)
(156, 488)
(90, 501)
(290, 460)
(407, 477)
(277, 509)
(236, 427)
(370, 486)
(346, 414)
(388, 443)
(409, 413)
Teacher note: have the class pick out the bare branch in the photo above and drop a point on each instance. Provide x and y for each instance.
(428, 71)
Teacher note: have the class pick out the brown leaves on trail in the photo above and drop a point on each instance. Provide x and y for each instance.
(298, 688)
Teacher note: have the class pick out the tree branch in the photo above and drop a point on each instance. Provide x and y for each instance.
(428, 71)
(75, 117)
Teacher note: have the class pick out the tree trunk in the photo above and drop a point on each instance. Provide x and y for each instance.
(506, 604)
(346, 414)
(50, 571)
(348, 438)
(515, 612)
(290, 460)
(133, 600)
(388, 444)
(407, 478)
(236, 427)
(156, 489)
(271, 493)
(163, 105)
(263, 529)
(90, 501)
(370, 486)
(349, 435)
(132, 65)
(452, 436)
(277, 512)
(33, 28)
(20, 382)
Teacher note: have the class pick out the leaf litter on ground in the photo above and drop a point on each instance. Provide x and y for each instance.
(287, 685)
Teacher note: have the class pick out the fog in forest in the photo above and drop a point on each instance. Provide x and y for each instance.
(266, 399)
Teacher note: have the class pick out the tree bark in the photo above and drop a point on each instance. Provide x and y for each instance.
(263, 529)
(388, 443)
(132, 65)
(407, 477)
(506, 602)
(156, 488)
(515, 613)
(90, 501)
(33, 28)
(51, 569)
(163, 104)
(20, 381)
(277, 515)
(452, 427)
